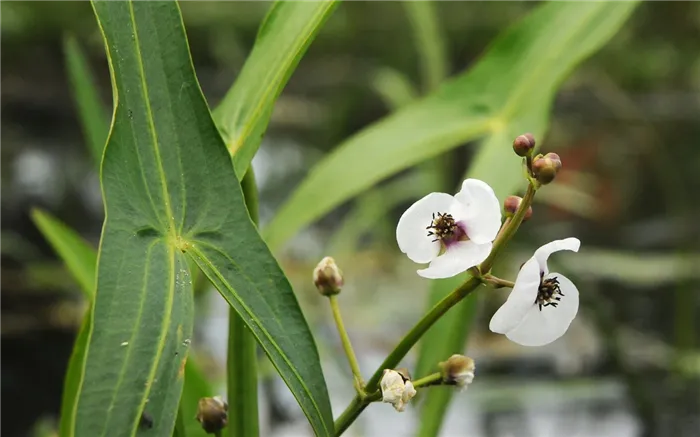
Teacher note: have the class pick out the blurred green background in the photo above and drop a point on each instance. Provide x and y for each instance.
(626, 124)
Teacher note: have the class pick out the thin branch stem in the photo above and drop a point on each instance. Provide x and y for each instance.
(498, 282)
(347, 346)
(433, 379)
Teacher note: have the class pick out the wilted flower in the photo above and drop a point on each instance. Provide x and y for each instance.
(396, 389)
(452, 233)
(458, 370)
(542, 304)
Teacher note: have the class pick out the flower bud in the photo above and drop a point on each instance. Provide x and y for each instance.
(524, 144)
(545, 168)
(458, 370)
(327, 277)
(511, 205)
(212, 413)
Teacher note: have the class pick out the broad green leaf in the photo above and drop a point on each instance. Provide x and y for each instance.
(509, 91)
(93, 116)
(170, 191)
(75, 252)
(283, 38)
(447, 337)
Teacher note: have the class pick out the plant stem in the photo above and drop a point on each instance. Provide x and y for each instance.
(407, 342)
(498, 282)
(242, 362)
(352, 359)
(509, 229)
(358, 404)
(433, 379)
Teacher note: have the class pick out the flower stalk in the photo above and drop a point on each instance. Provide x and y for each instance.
(360, 402)
(347, 346)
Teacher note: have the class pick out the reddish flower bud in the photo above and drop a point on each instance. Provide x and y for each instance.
(524, 144)
(511, 205)
(545, 168)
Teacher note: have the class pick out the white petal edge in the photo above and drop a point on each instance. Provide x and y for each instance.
(458, 258)
(482, 210)
(539, 328)
(411, 233)
(542, 254)
(520, 300)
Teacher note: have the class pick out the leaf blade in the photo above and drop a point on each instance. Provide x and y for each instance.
(501, 94)
(283, 38)
(169, 187)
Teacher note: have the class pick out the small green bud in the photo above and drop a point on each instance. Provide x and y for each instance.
(511, 205)
(212, 413)
(458, 370)
(524, 144)
(328, 278)
(545, 168)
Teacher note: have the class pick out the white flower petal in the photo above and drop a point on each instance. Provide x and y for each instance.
(542, 254)
(411, 232)
(459, 257)
(520, 300)
(482, 212)
(392, 386)
(542, 327)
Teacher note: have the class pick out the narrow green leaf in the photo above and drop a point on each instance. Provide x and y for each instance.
(447, 337)
(283, 38)
(93, 116)
(430, 41)
(196, 387)
(510, 90)
(75, 252)
(170, 191)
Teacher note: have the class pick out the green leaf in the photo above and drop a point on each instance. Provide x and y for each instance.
(75, 252)
(447, 337)
(283, 38)
(430, 41)
(509, 91)
(196, 387)
(93, 117)
(170, 191)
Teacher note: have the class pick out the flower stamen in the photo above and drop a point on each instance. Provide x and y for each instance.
(549, 293)
(444, 228)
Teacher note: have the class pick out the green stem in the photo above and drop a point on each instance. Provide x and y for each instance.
(242, 373)
(509, 229)
(352, 359)
(433, 379)
(498, 282)
(407, 342)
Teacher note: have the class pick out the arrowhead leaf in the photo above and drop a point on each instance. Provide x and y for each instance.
(170, 191)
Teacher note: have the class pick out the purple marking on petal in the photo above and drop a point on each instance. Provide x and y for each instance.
(458, 234)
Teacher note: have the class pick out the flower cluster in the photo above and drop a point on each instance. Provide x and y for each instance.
(397, 389)
(456, 233)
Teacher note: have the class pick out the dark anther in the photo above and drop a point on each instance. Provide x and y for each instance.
(549, 292)
(442, 226)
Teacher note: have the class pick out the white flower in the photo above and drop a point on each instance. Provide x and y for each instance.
(396, 390)
(452, 233)
(542, 304)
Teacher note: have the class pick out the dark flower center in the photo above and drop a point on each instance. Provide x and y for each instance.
(549, 293)
(445, 229)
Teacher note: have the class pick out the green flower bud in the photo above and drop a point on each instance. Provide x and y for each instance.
(524, 144)
(545, 168)
(328, 278)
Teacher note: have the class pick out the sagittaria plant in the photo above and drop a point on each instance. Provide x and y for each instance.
(180, 198)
